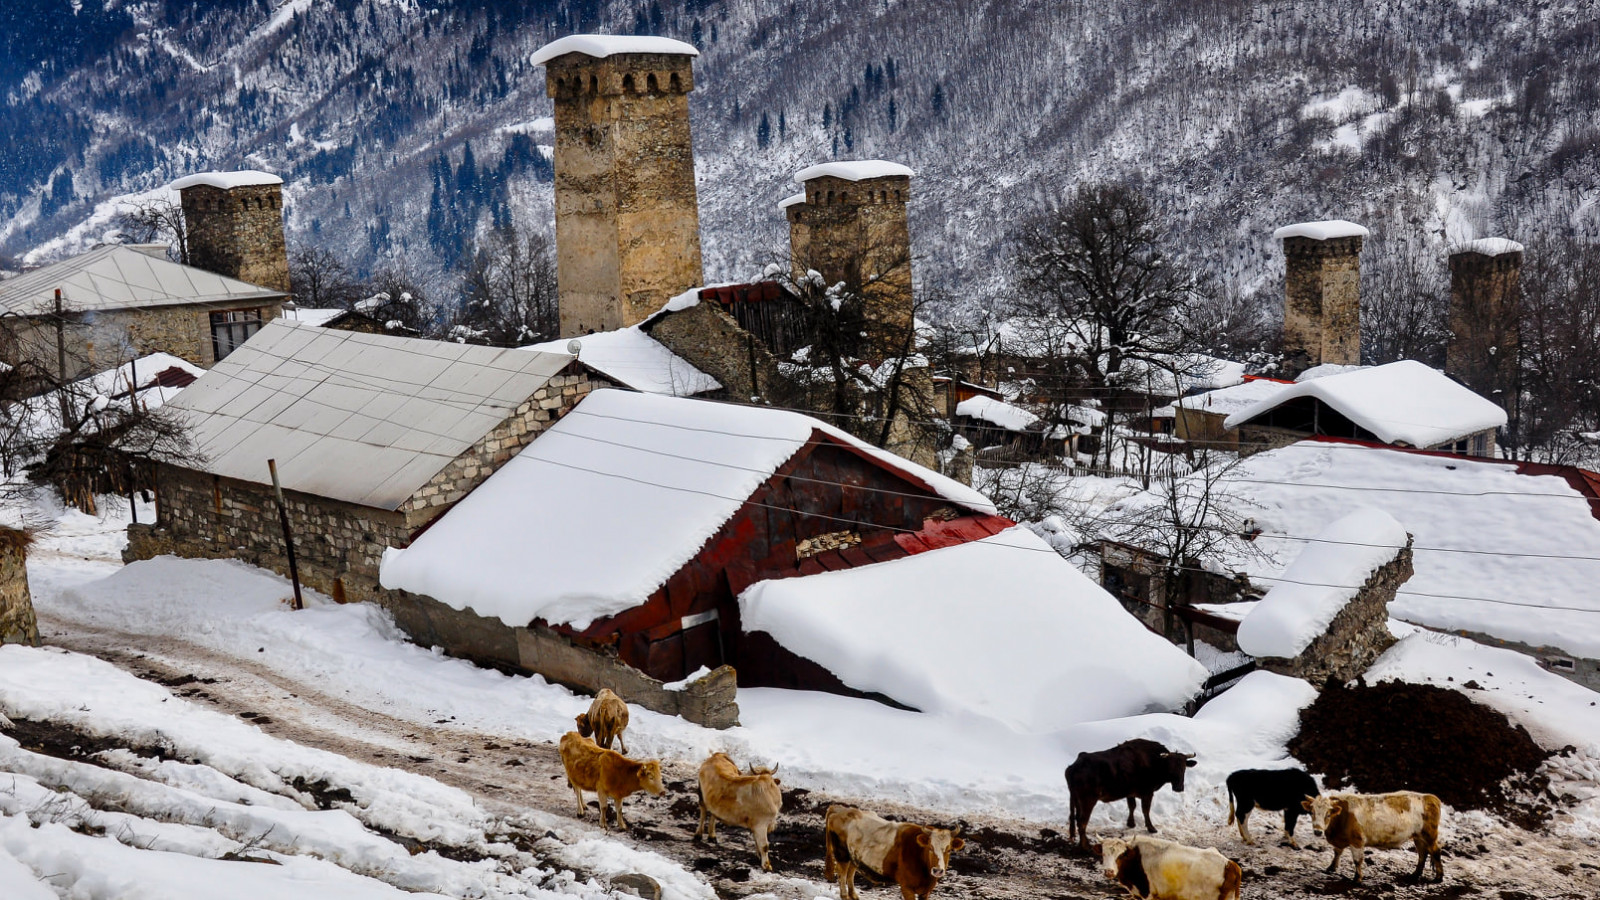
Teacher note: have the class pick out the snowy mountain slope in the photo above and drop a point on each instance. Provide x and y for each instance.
(1428, 121)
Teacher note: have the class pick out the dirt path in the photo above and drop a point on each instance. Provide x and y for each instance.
(1003, 858)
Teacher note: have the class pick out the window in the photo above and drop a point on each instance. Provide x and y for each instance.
(231, 328)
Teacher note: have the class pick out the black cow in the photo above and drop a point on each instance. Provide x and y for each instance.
(1270, 789)
(1132, 770)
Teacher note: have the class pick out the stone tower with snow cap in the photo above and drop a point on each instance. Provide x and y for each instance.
(627, 216)
(1485, 308)
(234, 225)
(1322, 293)
(849, 224)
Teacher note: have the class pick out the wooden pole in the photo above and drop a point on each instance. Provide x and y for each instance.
(288, 536)
(133, 409)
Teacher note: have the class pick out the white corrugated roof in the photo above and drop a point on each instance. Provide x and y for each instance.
(121, 277)
(633, 358)
(364, 418)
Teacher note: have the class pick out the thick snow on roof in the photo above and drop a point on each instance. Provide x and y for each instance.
(118, 276)
(364, 418)
(996, 412)
(1402, 402)
(310, 316)
(601, 46)
(226, 180)
(1487, 246)
(1326, 369)
(1321, 231)
(1229, 400)
(608, 503)
(1047, 648)
(44, 410)
(633, 358)
(853, 170)
(1320, 582)
(1488, 539)
(792, 200)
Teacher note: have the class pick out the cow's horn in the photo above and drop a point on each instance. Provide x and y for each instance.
(775, 768)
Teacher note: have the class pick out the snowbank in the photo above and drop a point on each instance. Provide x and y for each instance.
(637, 360)
(1048, 648)
(601, 46)
(1487, 247)
(853, 170)
(1321, 581)
(608, 503)
(1321, 231)
(1403, 402)
(226, 180)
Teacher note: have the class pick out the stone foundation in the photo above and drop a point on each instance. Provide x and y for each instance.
(17, 622)
(1357, 636)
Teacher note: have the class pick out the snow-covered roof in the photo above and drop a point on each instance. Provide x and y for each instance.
(1181, 374)
(1403, 402)
(601, 46)
(792, 200)
(226, 180)
(853, 170)
(1229, 400)
(1321, 581)
(112, 387)
(1326, 369)
(117, 276)
(609, 502)
(631, 357)
(313, 316)
(1487, 247)
(996, 412)
(1496, 551)
(1321, 231)
(364, 418)
(1048, 648)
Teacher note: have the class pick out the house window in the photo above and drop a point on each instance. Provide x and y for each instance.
(231, 328)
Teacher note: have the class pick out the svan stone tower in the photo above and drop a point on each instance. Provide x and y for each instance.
(627, 218)
(1322, 294)
(850, 226)
(1485, 308)
(234, 226)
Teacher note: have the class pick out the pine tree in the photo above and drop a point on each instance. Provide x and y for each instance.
(894, 115)
(763, 132)
(783, 126)
(827, 115)
(937, 101)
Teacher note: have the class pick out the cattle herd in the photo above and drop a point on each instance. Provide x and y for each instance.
(915, 857)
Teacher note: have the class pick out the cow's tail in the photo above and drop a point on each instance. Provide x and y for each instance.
(1229, 789)
(828, 839)
(1231, 876)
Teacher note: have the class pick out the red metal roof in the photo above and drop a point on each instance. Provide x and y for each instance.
(743, 293)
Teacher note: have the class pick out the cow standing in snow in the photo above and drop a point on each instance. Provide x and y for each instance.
(914, 857)
(1270, 789)
(606, 719)
(1132, 770)
(1154, 869)
(1385, 821)
(608, 773)
(750, 801)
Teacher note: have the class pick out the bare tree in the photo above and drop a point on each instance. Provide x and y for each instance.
(508, 291)
(399, 298)
(1560, 353)
(156, 221)
(321, 280)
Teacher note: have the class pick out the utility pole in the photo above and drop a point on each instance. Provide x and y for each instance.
(61, 359)
(133, 409)
(288, 536)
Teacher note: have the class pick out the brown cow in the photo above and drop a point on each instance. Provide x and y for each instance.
(1385, 821)
(607, 718)
(608, 773)
(748, 801)
(914, 857)
(1154, 869)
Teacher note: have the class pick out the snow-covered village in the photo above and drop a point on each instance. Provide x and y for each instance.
(696, 450)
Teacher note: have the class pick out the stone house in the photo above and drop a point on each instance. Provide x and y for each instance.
(373, 436)
(17, 622)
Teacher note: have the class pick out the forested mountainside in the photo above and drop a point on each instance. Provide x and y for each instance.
(404, 127)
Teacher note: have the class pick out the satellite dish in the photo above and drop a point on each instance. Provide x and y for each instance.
(573, 346)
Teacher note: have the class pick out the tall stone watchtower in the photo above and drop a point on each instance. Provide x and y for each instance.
(850, 226)
(627, 217)
(1485, 310)
(1322, 293)
(234, 225)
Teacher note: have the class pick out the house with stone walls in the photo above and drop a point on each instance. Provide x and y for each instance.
(373, 437)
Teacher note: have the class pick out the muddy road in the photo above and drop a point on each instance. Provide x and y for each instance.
(1003, 858)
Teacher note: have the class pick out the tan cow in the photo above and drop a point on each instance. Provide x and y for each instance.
(608, 773)
(607, 718)
(1154, 869)
(1383, 821)
(914, 857)
(733, 798)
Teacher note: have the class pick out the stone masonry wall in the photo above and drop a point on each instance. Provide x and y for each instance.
(711, 341)
(856, 232)
(1485, 331)
(238, 233)
(103, 340)
(1322, 302)
(1357, 635)
(17, 622)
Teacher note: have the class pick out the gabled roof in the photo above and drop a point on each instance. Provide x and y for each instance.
(364, 418)
(118, 276)
(610, 502)
(1229, 400)
(632, 358)
(1403, 402)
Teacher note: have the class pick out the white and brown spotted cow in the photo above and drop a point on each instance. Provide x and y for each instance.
(914, 857)
(1154, 869)
(1383, 821)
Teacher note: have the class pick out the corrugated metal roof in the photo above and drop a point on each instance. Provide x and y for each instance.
(364, 418)
(120, 276)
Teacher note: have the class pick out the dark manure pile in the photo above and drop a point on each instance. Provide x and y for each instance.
(1394, 736)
